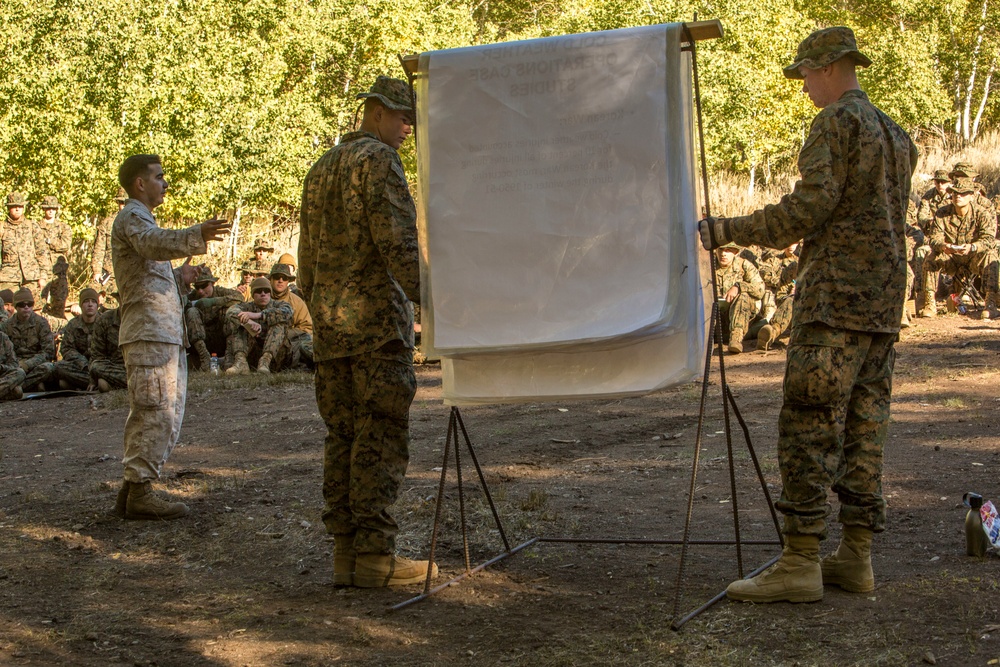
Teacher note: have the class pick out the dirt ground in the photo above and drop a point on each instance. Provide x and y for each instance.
(245, 580)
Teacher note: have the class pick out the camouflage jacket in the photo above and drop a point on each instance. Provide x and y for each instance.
(260, 265)
(151, 306)
(20, 259)
(8, 359)
(32, 339)
(213, 308)
(741, 272)
(101, 261)
(75, 343)
(929, 204)
(301, 320)
(978, 226)
(358, 267)
(104, 337)
(779, 274)
(275, 313)
(51, 240)
(849, 207)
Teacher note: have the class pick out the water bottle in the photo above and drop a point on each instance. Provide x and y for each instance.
(213, 368)
(975, 536)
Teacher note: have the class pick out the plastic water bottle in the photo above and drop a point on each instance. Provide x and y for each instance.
(213, 365)
(975, 537)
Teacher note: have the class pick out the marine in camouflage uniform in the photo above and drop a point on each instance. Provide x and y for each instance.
(7, 305)
(779, 274)
(301, 328)
(260, 340)
(33, 342)
(73, 370)
(246, 277)
(56, 291)
(260, 264)
(964, 246)
(19, 264)
(100, 262)
(11, 374)
(206, 317)
(107, 365)
(966, 170)
(849, 207)
(53, 238)
(935, 197)
(740, 291)
(915, 239)
(358, 272)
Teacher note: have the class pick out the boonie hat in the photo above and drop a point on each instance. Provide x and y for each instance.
(17, 199)
(963, 186)
(730, 246)
(941, 175)
(49, 201)
(259, 244)
(963, 169)
(393, 93)
(824, 47)
(285, 270)
(89, 293)
(205, 277)
(260, 283)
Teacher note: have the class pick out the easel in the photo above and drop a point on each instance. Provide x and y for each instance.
(695, 31)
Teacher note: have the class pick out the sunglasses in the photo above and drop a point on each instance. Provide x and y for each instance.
(261, 291)
(25, 304)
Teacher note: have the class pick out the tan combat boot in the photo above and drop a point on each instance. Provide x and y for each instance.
(850, 566)
(103, 386)
(930, 305)
(765, 337)
(142, 503)
(344, 558)
(796, 577)
(264, 366)
(904, 321)
(240, 365)
(736, 341)
(381, 570)
(989, 311)
(121, 500)
(204, 358)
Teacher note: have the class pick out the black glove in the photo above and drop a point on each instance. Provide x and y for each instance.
(714, 232)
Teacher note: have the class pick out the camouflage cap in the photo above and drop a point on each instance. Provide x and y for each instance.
(49, 201)
(281, 269)
(729, 246)
(260, 283)
(89, 293)
(824, 47)
(259, 244)
(393, 93)
(941, 175)
(246, 267)
(7, 296)
(16, 199)
(288, 259)
(963, 186)
(22, 295)
(963, 169)
(205, 277)
(121, 196)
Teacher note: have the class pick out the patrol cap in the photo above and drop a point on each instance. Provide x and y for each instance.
(245, 267)
(260, 283)
(963, 186)
(89, 293)
(942, 175)
(121, 197)
(824, 47)
(7, 296)
(259, 244)
(23, 295)
(730, 246)
(393, 93)
(16, 199)
(49, 201)
(281, 269)
(963, 169)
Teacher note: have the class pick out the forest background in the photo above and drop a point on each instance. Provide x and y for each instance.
(241, 96)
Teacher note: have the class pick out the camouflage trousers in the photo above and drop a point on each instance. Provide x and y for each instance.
(112, 372)
(9, 380)
(967, 267)
(157, 389)
(271, 340)
(365, 402)
(77, 376)
(302, 347)
(211, 329)
(832, 427)
(736, 316)
(782, 316)
(38, 374)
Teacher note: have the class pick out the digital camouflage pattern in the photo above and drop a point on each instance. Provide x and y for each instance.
(106, 360)
(978, 227)
(778, 273)
(101, 262)
(273, 336)
(34, 346)
(19, 258)
(300, 330)
(262, 266)
(52, 241)
(365, 401)
(358, 266)
(206, 317)
(11, 375)
(74, 347)
(823, 47)
(849, 209)
(930, 202)
(56, 290)
(833, 425)
(744, 307)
